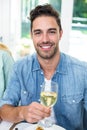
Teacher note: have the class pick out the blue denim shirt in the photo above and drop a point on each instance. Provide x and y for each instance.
(71, 75)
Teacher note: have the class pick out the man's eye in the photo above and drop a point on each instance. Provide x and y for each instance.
(52, 32)
(37, 33)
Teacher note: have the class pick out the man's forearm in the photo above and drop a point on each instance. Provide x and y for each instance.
(12, 114)
(31, 113)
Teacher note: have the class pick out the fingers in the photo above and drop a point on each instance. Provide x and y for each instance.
(33, 118)
(39, 109)
(36, 112)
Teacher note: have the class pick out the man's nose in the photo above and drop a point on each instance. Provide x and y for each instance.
(45, 37)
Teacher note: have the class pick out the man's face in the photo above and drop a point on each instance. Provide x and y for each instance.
(46, 35)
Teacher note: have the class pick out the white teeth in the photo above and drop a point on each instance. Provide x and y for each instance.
(45, 47)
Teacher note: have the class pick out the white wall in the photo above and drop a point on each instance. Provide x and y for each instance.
(66, 20)
(10, 21)
(4, 20)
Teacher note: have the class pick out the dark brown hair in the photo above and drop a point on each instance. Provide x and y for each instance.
(46, 10)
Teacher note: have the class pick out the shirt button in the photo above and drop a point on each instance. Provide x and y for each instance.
(41, 72)
(39, 100)
(73, 101)
(25, 92)
(41, 85)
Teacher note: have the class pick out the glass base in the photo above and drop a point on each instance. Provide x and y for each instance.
(45, 123)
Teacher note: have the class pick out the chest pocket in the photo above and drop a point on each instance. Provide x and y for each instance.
(26, 97)
(72, 99)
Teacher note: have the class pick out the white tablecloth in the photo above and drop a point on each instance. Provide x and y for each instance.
(25, 126)
(6, 125)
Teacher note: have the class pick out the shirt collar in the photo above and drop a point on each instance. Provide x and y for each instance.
(61, 67)
(36, 65)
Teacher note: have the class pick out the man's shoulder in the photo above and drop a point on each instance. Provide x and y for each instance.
(74, 62)
(25, 59)
(25, 62)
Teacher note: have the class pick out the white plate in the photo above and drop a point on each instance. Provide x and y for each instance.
(54, 127)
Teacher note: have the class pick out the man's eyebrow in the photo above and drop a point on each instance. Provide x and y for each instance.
(52, 29)
(36, 30)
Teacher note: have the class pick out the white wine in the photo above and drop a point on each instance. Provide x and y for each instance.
(48, 98)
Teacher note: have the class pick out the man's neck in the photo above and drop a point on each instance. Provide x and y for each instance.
(49, 65)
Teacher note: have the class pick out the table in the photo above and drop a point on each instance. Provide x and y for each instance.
(6, 125)
(23, 125)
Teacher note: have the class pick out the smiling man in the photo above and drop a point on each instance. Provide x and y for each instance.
(70, 110)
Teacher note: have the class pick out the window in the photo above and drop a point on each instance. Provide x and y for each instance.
(27, 5)
(78, 38)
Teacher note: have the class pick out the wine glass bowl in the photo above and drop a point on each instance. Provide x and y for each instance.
(49, 93)
(48, 98)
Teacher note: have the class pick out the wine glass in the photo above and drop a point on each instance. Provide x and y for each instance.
(48, 97)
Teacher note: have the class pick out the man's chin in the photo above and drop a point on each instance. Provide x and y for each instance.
(46, 57)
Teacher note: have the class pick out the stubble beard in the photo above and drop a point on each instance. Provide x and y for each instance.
(47, 55)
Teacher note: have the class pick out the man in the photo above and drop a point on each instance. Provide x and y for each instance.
(29, 73)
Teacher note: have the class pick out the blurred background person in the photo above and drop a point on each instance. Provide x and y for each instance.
(6, 62)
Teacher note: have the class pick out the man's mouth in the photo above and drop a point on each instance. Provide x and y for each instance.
(46, 47)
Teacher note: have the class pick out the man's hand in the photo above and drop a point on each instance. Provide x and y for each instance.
(34, 112)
